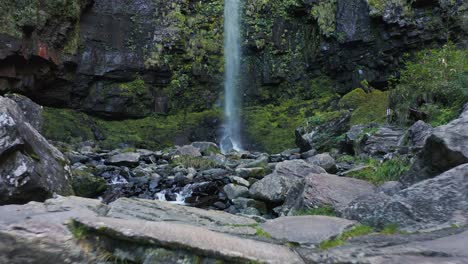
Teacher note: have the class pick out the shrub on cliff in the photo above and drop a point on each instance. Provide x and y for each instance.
(433, 86)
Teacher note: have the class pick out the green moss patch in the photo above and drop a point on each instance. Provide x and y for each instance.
(367, 107)
(359, 230)
(154, 132)
(271, 127)
(326, 210)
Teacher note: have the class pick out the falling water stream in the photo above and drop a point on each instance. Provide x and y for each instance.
(231, 138)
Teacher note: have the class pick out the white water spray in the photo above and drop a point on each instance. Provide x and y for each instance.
(232, 53)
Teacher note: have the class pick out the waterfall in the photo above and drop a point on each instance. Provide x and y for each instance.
(231, 138)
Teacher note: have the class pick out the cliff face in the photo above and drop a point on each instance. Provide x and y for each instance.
(118, 59)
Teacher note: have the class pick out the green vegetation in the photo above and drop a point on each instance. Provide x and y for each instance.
(66, 125)
(325, 14)
(153, 132)
(377, 7)
(367, 107)
(272, 126)
(359, 230)
(135, 87)
(435, 83)
(193, 52)
(194, 162)
(379, 172)
(345, 158)
(391, 229)
(326, 210)
(262, 233)
(78, 230)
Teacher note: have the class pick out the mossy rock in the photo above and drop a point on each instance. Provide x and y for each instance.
(85, 184)
(368, 107)
(353, 99)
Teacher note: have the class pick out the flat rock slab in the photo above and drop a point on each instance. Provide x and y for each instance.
(130, 159)
(445, 246)
(192, 238)
(309, 230)
(131, 208)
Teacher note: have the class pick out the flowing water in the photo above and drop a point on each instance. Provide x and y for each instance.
(232, 54)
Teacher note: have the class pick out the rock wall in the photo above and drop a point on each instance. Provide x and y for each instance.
(117, 59)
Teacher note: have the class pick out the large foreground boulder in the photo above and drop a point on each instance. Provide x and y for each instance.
(445, 148)
(144, 231)
(31, 169)
(432, 204)
(130, 230)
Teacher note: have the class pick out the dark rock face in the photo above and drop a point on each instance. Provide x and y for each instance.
(431, 204)
(444, 149)
(126, 60)
(353, 21)
(30, 168)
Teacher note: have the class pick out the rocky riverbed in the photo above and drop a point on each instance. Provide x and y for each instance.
(191, 203)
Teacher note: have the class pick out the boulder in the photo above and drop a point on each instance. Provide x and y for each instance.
(255, 172)
(193, 242)
(239, 181)
(373, 140)
(323, 136)
(326, 190)
(212, 174)
(385, 140)
(306, 230)
(325, 161)
(436, 203)
(32, 112)
(234, 191)
(418, 133)
(129, 229)
(157, 211)
(367, 208)
(30, 168)
(129, 159)
(445, 148)
(207, 148)
(188, 150)
(85, 184)
(445, 246)
(287, 174)
(243, 203)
